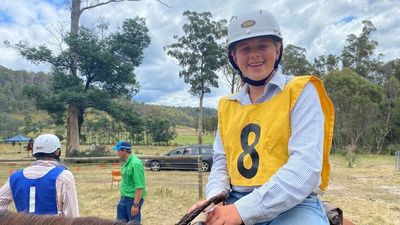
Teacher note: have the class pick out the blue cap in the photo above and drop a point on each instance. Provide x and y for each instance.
(121, 145)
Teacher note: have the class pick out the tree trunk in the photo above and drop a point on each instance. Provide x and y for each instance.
(72, 129)
(383, 132)
(75, 14)
(350, 152)
(80, 119)
(73, 110)
(233, 82)
(200, 127)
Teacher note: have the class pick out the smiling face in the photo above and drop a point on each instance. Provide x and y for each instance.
(256, 57)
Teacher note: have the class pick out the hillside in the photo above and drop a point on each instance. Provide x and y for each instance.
(17, 111)
(185, 116)
(11, 85)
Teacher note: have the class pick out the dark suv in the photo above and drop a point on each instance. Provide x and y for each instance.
(176, 159)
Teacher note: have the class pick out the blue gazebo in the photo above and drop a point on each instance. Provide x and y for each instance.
(18, 138)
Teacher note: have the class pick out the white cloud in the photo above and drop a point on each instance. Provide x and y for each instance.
(321, 27)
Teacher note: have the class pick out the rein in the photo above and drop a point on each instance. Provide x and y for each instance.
(188, 217)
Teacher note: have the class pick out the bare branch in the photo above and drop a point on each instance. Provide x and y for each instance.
(111, 1)
(57, 32)
(164, 3)
(103, 3)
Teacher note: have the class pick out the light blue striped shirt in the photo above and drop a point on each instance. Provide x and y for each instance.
(294, 181)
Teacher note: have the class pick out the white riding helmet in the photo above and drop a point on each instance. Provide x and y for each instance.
(253, 23)
(46, 143)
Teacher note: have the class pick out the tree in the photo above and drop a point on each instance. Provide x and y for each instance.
(388, 107)
(353, 96)
(294, 61)
(232, 78)
(392, 68)
(75, 113)
(231, 75)
(160, 130)
(359, 51)
(200, 53)
(106, 71)
(210, 125)
(8, 125)
(325, 64)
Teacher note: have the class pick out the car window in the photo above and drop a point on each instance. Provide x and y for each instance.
(195, 151)
(176, 152)
(206, 150)
(187, 151)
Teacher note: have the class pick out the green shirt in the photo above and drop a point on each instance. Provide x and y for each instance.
(133, 178)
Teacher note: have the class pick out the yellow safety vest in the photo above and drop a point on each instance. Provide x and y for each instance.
(255, 137)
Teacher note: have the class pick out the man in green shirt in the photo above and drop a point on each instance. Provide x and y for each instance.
(133, 184)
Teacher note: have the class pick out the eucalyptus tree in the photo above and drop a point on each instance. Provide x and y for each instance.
(294, 61)
(389, 108)
(106, 71)
(392, 68)
(389, 128)
(356, 101)
(325, 64)
(358, 54)
(232, 78)
(200, 53)
(231, 75)
(74, 111)
(75, 114)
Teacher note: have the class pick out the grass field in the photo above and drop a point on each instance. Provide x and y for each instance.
(187, 136)
(190, 139)
(369, 194)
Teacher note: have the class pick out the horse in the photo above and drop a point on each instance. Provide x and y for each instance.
(18, 218)
(29, 147)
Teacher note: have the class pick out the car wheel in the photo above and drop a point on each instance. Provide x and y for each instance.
(205, 166)
(155, 165)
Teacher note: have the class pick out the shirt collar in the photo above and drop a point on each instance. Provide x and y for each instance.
(48, 163)
(277, 80)
(129, 159)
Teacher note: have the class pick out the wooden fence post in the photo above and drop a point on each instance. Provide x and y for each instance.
(200, 177)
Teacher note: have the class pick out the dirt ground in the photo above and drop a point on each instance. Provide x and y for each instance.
(369, 194)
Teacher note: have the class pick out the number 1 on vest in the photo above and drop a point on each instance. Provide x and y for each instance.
(32, 194)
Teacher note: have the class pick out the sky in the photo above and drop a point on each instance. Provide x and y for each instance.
(319, 26)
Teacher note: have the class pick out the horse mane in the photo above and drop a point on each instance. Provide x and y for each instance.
(17, 218)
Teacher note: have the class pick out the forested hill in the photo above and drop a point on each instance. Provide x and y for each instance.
(11, 84)
(15, 106)
(186, 116)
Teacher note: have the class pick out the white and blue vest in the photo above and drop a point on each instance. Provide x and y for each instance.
(37, 196)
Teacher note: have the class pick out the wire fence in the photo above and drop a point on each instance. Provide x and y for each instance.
(186, 171)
